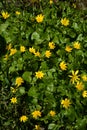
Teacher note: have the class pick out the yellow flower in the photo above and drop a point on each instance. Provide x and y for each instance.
(13, 90)
(17, 13)
(19, 81)
(79, 86)
(37, 127)
(8, 47)
(84, 77)
(6, 57)
(37, 53)
(12, 51)
(22, 48)
(74, 77)
(13, 100)
(48, 53)
(84, 94)
(52, 113)
(39, 74)
(68, 48)
(76, 45)
(32, 50)
(36, 114)
(63, 65)
(74, 5)
(39, 18)
(23, 118)
(66, 103)
(5, 15)
(51, 2)
(65, 22)
(51, 45)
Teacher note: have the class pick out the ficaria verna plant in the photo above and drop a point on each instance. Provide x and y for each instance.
(43, 75)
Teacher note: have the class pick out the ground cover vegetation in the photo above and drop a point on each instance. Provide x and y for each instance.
(43, 68)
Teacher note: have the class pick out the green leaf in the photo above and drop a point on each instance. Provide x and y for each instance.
(80, 37)
(8, 39)
(49, 73)
(71, 33)
(50, 87)
(35, 36)
(51, 126)
(53, 70)
(76, 27)
(46, 36)
(55, 39)
(22, 90)
(7, 123)
(27, 76)
(12, 69)
(44, 65)
(1, 5)
(34, 101)
(32, 92)
(81, 124)
(79, 52)
(38, 41)
(3, 26)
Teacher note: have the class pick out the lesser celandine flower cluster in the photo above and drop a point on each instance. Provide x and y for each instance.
(43, 74)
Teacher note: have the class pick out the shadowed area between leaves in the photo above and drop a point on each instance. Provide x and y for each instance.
(2, 46)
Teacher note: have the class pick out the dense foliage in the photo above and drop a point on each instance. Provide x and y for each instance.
(43, 75)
